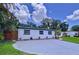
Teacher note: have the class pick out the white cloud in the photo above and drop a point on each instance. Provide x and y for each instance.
(39, 13)
(22, 16)
(74, 16)
(21, 12)
(65, 20)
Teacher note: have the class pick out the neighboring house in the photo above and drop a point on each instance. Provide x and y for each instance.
(70, 33)
(30, 33)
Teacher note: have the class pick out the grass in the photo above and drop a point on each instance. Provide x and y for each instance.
(7, 49)
(71, 39)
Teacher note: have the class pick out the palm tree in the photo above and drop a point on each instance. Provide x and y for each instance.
(11, 18)
(47, 23)
(52, 24)
(8, 21)
(56, 27)
(64, 27)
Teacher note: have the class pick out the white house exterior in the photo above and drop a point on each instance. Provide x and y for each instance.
(71, 33)
(27, 34)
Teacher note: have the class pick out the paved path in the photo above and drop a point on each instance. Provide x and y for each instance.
(47, 47)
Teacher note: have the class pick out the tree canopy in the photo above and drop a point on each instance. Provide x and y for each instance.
(7, 20)
(64, 26)
(75, 28)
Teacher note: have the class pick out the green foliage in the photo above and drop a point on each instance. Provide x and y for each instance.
(57, 33)
(75, 28)
(46, 23)
(64, 26)
(2, 21)
(7, 20)
(1, 36)
(11, 25)
(56, 27)
(56, 24)
(30, 24)
(65, 35)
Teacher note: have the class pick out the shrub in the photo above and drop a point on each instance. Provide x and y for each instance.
(1, 36)
(64, 34)
(68, 36)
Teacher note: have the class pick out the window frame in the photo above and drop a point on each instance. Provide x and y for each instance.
(41, 31)
(26, 32)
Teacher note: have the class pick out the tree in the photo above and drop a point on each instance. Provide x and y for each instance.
(12, 21)
(31, 24)
(55, 24)
(11, 25)
(46, 23)
(75, 28)
(1, 22)
(64, 26)
(8, 21)
(56, 27)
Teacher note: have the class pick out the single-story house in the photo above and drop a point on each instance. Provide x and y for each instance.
(27, 33)
(70, 33)
(30, 33)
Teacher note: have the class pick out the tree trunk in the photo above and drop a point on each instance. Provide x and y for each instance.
(55, 35)
(78, 33)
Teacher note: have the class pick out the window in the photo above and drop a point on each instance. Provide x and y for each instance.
(26, 32)
(40, 32)
(50, 32)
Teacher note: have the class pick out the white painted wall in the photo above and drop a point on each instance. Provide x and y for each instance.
(71, 33)
(34, 34)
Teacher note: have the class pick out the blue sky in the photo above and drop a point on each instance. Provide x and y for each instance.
(60, 11)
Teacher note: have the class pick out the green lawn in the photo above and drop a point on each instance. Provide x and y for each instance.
(7, 49)
(71, 39)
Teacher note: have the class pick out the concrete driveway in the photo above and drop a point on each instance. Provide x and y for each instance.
(47, 47)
